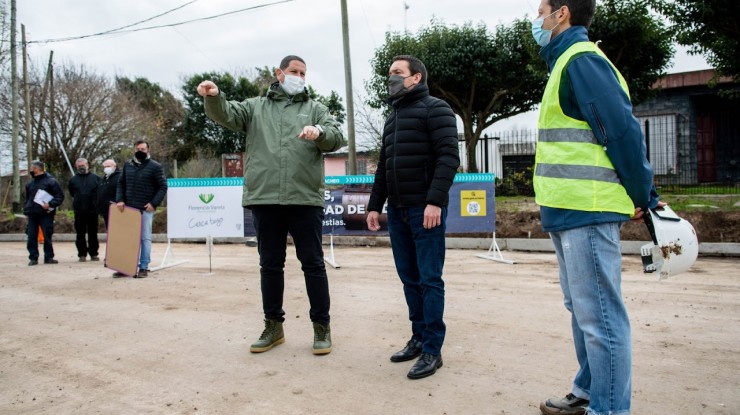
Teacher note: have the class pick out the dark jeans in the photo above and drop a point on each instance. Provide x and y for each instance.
(46, 222)
(86, 227)
(304, 223)
(419, 255)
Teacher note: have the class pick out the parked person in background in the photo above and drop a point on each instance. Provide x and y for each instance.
(417, 164)
(83, 187)
(287, 134)
(107, 189)
(591, 175)
(142, 186)
(43, 196)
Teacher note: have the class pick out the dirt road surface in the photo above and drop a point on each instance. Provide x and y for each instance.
(73, 340)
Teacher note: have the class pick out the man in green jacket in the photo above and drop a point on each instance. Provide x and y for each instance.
(287, 134)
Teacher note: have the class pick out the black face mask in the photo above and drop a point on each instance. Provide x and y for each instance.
(396, 89)
(140, 155)
(81, 170)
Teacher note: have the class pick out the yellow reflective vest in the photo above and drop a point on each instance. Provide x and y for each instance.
(572, 170)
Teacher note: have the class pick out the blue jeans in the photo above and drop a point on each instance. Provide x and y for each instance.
(419, 255)
(146, 239)
(304, 223)
(46, 222)
(590, 262)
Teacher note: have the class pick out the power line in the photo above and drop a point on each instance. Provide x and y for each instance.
(118, 31)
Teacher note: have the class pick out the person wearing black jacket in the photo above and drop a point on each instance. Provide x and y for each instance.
(83, 187)
(40, 210)
(142, 186)
(107, 189)
(418, 160)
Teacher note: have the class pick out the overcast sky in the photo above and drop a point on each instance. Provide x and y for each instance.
(254, 38)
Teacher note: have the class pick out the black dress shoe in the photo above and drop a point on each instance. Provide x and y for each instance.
(33, 262)
(51, 261)
(411, 351)
(427, 365)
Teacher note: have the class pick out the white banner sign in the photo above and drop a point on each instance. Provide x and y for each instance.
(197, 208)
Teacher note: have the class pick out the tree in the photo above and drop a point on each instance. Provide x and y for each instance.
(165, 113)
(709, 27)
(485, 77)
(638, 44)
(91, 119)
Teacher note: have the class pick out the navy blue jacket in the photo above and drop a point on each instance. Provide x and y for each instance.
(141, 183)
(48, 183)
(589, 87)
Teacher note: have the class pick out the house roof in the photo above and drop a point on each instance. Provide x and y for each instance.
(687, 79)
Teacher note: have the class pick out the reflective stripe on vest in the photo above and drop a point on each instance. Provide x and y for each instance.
(572, 169)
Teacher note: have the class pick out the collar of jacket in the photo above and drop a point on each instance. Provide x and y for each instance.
(561, 43)
(136, 161)
(278, 94)
(418, 92)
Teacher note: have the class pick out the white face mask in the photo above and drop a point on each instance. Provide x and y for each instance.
(293, 84)
(108, 170)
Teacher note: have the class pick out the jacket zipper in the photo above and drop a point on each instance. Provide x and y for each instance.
(600, 124)
(395, 146)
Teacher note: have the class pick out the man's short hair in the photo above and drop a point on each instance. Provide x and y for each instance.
(581, 11)
(415, 66)
(142, 142)
(286, 61)
(83, 160)
(39, 164)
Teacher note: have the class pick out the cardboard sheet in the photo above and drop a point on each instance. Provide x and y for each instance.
(124, 240)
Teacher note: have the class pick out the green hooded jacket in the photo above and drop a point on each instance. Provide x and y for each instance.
(280, 168)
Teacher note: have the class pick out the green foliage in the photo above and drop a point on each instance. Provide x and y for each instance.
(516, 184)
(709, 27)
(484, 76)
(638, 43)
(164, 111)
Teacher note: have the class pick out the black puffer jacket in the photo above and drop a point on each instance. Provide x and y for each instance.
(50, 185)
(107, 191)
(419, 156)
(141, 183)
(84, 190)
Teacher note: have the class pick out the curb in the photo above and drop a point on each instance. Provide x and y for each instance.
(505, 244)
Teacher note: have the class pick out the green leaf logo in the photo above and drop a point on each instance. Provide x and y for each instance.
(206, 198)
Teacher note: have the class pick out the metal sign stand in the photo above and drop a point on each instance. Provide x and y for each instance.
(494, 253)
(330, 259)
(168, 254)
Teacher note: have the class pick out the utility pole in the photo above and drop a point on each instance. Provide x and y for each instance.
(348, 89)
(14, 105)
(44, 92)
(27, 101)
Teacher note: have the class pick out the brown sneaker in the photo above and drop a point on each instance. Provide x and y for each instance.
(143, 273)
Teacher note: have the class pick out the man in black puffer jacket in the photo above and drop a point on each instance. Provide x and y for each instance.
(418, 161)
(142, 186)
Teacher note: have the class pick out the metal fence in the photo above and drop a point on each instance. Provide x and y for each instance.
(689, 157)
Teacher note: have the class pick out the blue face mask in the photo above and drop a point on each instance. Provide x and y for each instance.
(542, 36)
